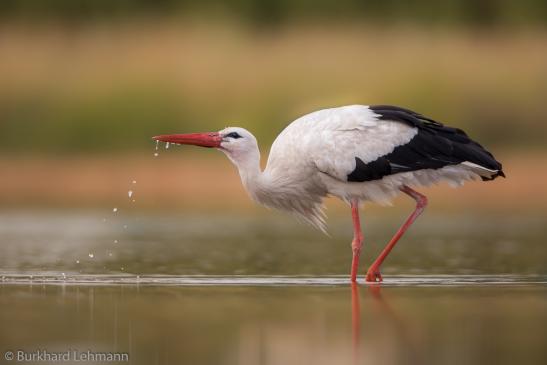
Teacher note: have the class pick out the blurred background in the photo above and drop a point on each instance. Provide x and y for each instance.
(85, 196)
(85, 84)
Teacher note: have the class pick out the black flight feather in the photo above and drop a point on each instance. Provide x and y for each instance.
(433, 147)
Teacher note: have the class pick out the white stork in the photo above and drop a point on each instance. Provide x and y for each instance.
(357, 153)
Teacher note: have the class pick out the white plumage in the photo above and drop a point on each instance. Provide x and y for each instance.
(356, 153)
(313, 155)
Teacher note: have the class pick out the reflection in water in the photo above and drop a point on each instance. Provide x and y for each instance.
(304, 324)
(251, 302)
(355, 321)
(380, 309)
(396, 326)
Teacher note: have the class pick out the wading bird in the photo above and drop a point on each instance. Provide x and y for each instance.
(357, 153)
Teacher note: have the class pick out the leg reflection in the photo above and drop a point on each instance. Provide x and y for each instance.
(384, 326)
(355, 320)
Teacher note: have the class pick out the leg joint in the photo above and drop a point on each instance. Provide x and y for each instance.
(422, 201)
(357, 242)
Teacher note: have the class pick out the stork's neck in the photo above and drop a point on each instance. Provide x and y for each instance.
(248, 165)
(250, 173)
(264, 187)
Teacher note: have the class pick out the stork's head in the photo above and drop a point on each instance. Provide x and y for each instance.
(237, 143)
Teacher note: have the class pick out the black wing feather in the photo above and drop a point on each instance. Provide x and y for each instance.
(433, 147)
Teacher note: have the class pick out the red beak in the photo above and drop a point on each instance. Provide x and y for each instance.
(211, 139)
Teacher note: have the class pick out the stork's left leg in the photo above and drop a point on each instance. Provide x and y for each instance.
(357, 242)
(373, 273)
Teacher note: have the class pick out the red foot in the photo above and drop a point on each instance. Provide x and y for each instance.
(373, 275)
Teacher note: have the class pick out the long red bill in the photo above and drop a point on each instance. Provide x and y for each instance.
(211, 139)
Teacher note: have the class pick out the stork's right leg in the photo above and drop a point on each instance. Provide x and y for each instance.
(357, 242)
(373, 273)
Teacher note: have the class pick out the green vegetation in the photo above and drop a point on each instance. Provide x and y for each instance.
(103, 76)
(470, 13)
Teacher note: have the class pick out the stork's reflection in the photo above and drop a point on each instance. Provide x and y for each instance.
(387, 322)
(355, 320)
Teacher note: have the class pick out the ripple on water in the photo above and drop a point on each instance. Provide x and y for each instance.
(159, 280)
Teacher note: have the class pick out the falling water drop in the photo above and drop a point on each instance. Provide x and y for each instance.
(115, 210)
(91, 255)
(157, 143)
(130, 193)
(156, 154)
(115, 241)
(77, 261)
(166, 145)
(134, 182)
(110, 254)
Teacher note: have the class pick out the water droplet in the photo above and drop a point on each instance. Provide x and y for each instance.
(157, 143)
(133, 200)
(134, 182)
(122, 268)
(115, 241)
(156, 154)
(91, 255)
(77, 261)
(64, 275)
(130, 193)
(115, 210)
(110, 254)
(166, 145)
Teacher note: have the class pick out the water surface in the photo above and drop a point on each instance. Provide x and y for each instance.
(244, 290)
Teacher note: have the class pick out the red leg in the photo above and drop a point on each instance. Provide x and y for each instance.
(373, 273)
(357, 239)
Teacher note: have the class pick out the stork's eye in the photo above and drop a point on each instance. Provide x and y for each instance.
(233, 135)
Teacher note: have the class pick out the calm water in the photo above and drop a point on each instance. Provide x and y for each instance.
(245, 290)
